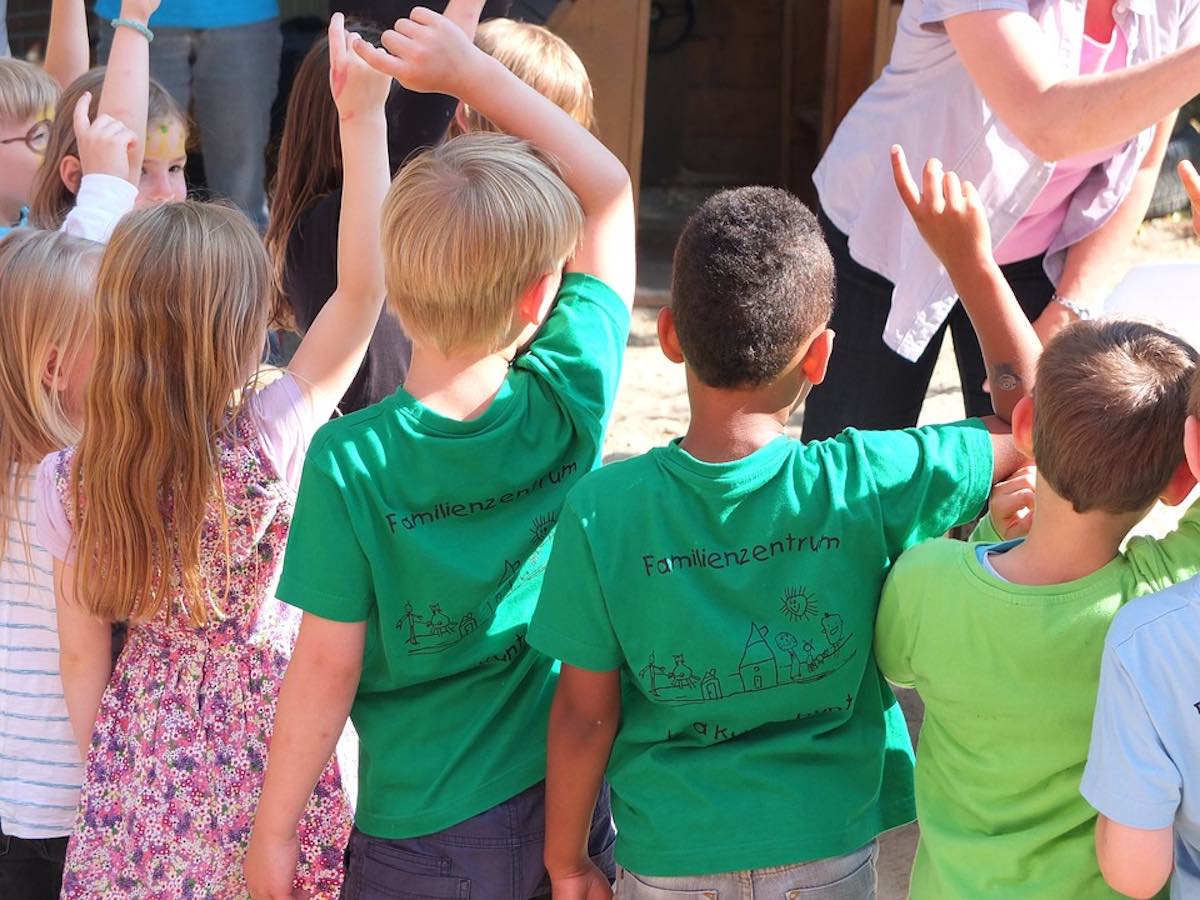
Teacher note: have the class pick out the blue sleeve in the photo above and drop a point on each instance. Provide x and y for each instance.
(934, 12)
(1129, 777)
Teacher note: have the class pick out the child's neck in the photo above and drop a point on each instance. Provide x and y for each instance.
(728, 425)
(1063, 545)
(460, 385)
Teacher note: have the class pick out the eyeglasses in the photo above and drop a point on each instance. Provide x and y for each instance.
(36, 138)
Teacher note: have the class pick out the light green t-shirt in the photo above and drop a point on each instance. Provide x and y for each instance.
(1008, 674)
(738, 602)
(435, 532)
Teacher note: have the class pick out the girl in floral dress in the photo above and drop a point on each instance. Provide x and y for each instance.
(172, 512)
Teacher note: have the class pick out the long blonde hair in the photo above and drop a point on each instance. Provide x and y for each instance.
(46, 282)
(181, 315)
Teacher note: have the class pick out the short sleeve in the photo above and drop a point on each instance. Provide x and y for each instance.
(1129, 777)
(571, 621)
(1189, 25)
(325, 571)
(935, 12)
(893, 635)
(930, 479)
(53, 528)
(286, 423)
(581, 346)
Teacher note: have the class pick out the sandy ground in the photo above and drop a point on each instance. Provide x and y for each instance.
(652, 408)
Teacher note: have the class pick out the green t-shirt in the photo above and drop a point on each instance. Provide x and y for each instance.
(1008, 674)
(738, 602)
(435, 532)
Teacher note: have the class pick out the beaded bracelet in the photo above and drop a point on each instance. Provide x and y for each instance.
(137, 26)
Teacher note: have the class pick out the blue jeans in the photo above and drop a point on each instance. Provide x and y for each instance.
(849, 877)
(228, 78)
(496, 855)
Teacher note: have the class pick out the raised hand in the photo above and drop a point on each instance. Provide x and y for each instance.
(1011, 504)
(106, 146)
(356, 87)
(141, 10)
(947, 212)
(1191, 183)
(427, 53)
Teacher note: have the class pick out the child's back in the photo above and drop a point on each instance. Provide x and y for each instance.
(1003, 640)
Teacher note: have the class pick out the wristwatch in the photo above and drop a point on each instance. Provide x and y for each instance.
(1080, 312)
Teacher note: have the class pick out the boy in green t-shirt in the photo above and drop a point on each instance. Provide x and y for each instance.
(1003, 639)
(423, 522)
(713, 601)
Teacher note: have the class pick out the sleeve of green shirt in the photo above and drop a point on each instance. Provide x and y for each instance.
(1160, 563)
(581, 346)
(893, 630)
(985, 532)
(571, 621)
(929, 479)
(324, 569)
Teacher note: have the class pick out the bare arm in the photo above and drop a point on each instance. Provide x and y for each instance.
(1012, 62)
(84, 657)
(1135, 862)
(953, 223)
(426, 53)
(126, 92)
(583, 724)
(68, 54)
(333, 347)
(314, 704)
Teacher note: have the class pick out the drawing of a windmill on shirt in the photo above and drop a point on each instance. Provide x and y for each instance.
(429, 629)
(768, 660)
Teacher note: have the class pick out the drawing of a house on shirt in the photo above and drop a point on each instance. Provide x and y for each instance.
(759, 668)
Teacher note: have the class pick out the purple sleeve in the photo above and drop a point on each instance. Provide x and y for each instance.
(53, 529)
(286, 424)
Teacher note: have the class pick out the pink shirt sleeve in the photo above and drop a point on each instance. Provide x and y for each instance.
(53, 528)
(286, 424)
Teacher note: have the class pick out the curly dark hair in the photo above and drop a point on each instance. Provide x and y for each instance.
(752, 280)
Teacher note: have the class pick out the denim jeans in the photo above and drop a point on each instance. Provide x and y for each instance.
(868, 385)
(849, 877)
(31, 869)
(496, 855)
(227, 77)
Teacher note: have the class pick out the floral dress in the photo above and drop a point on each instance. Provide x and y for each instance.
(180, 746)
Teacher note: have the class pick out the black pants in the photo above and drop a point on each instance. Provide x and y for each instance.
(31, 869)
(871, 387)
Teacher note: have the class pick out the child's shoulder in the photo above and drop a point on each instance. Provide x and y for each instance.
(1157, 620)
(619, 482)
(936, 557)
(364, 434)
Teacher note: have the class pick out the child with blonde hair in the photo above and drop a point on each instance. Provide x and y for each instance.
(423, 522)
(172, 511)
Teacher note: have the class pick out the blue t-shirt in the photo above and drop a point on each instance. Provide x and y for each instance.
(199, 13)
(1146, 731)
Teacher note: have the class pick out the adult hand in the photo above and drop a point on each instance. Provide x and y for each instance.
(1012, 502)
(356, 87)
(948, 213)
(1191, 183)
(588, 883)
(106, 146)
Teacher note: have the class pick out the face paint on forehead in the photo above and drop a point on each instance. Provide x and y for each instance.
(166, 139)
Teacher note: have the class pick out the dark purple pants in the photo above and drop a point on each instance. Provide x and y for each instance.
(496, 855)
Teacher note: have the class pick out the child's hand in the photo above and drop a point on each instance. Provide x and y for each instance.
(948, 214)
(1191, 183)
(270, 867)
(588, 884)
(1011, 504)
(106, 146)
(427, 53)
(356, 87)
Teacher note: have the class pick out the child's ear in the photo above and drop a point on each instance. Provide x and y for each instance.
(668, 337)
(816, 358)
(53, 376)
(534, 304)
(1022, 426)
(1191, 444)
(71, 173)
(1181, 484)
(460, 118)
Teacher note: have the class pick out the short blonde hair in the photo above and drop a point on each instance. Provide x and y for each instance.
(467, 227)
(542, 60)
(25, 91)
(1109, 404)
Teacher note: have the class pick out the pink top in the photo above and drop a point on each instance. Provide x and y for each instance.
(1033, 234)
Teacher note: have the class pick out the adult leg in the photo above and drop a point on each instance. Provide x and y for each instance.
(1033, 291)
(868, 385)
(234, 81)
